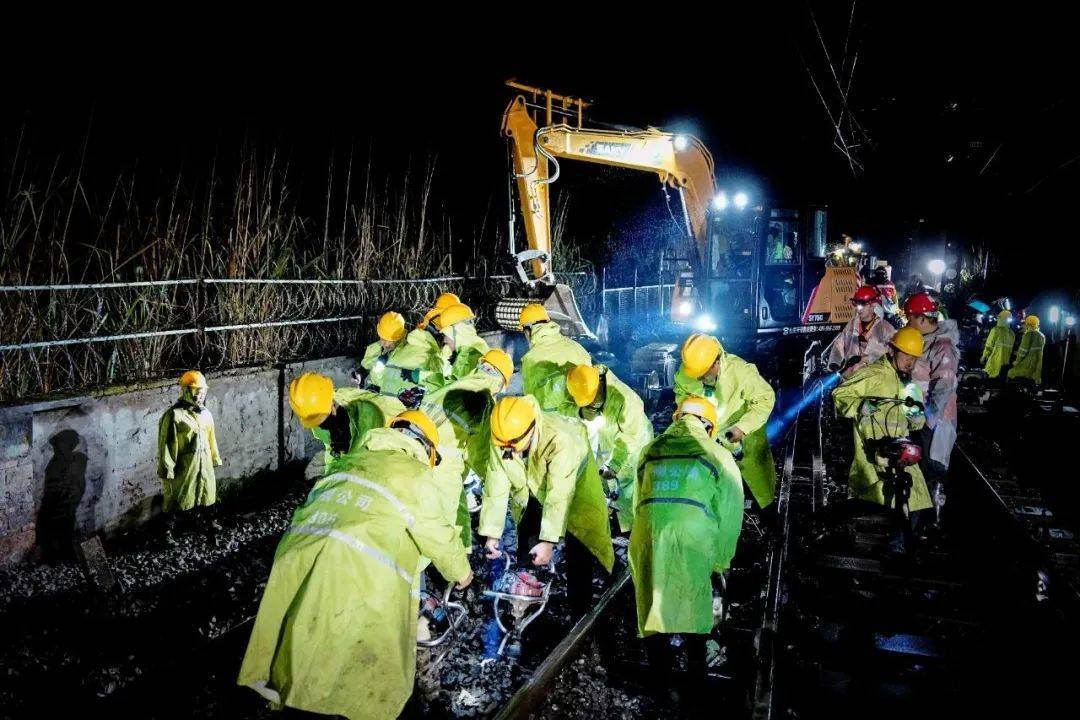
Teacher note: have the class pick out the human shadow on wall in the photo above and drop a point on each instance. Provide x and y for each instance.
(65, 484)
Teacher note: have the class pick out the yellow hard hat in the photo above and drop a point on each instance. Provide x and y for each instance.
(422, 423)
(453, 315)
(699, 407)
(446, 300)
(193, 379)
(499, 360)
(699, 352)
(311, 397)
(583, 382)
(908, 340)
(533, 313)
(1004, 315)
(512, 422)
(1032, 321)
(391, 327)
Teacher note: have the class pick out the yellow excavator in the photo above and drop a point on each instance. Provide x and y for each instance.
(742, 265)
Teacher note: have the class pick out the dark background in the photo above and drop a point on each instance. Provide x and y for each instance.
(970, 114)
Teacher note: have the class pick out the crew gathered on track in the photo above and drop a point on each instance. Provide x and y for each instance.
(337, 625)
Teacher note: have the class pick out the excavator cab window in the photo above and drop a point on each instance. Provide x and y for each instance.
(781, 274)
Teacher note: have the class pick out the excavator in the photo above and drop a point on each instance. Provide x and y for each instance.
(739, 269)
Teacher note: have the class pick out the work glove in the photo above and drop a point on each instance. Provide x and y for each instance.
(412, 397)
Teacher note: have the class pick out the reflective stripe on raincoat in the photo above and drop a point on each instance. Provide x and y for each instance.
(998, 348)
(935, 373)
(869, 343)
(461, 412)
(619, 435)
(543, 368)
(878, 379)
(336, 627)
(187, 455)
(743, 399)
(560, 472)
(1029, 357)
(366, 410)
(688, 511)
(418, 361)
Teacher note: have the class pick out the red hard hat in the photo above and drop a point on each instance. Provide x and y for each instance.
(866, 294)
(920, 304)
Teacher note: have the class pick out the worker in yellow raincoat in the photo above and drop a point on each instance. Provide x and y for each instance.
(551, 355)
(618, 429)
(187, 448)
(418, 364)
(1029, 356)
(873, 420)
(688, 510)
(336, 629)
(339, 418)
(999, 345)
(743, 403)
(391, 333)
(462, 347)
(461, 411)
(542, 464)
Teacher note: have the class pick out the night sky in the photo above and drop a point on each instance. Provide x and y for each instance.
(969, 116)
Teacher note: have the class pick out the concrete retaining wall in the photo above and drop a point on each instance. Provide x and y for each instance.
(91, 462)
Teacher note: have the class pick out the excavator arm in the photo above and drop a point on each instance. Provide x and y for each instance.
(681, 162)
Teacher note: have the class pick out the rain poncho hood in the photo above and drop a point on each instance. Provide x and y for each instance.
(365, 410)
(688, 510)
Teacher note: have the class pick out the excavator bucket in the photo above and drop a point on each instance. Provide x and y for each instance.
(561, 306)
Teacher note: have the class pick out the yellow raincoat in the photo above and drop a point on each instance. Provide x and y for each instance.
(878, 379)
(336, 628)
(365, 410)
(688, 512)
(417, 361)
(619, 435)
(543, 368)
(998, 348)
(187, 455)
(461, 412)
(560, 472)
(743, 399)
(1029, 357)
(470, 348)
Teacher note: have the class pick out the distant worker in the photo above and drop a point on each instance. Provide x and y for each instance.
(461, 345)
(744, 402)
(550, 356)
(688, 513)
(936, 374)
(461, 411)
(391, 333)
(887, 377)
(618, 429)
(865, 337)
(187, 448)
(336, 629)
(1029, 356)
(999, 345)
(542, 462)
(339, 418)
